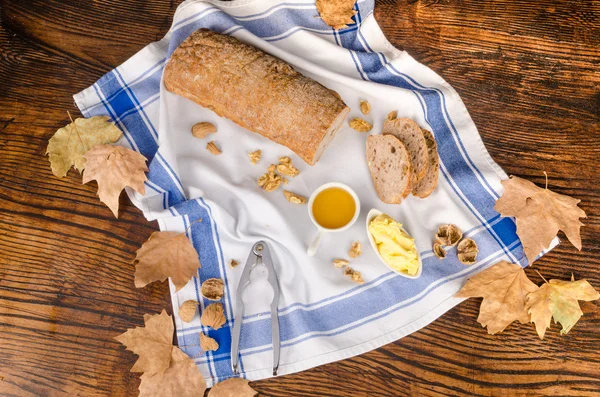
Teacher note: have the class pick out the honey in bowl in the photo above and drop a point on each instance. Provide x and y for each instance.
(333, 208)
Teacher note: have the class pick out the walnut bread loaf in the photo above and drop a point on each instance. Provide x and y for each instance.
(257, 91)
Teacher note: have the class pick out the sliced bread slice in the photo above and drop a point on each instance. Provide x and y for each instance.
(390, 167)
(426, 185)
(410, 134)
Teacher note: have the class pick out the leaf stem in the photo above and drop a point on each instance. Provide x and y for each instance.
(76, 131)
(546, 174)
(540, 274)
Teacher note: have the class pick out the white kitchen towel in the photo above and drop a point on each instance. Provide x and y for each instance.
(324, 316)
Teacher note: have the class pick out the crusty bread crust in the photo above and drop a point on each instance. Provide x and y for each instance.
(257, 91)
(427, 185)
(412, 137)
(390, 167)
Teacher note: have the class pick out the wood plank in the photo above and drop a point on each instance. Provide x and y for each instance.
(527, 72)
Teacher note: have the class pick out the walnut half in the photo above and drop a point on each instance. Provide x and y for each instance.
(354, 275)
(294, 198)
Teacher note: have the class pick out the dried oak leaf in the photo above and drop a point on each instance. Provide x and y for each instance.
(448, 235)
(558, 299)
(114, 167)
(153, 343)
(355, 250)
(255, 156)
(360, 125)
(166, 254)
(354, 275)
(181, 379)
(365, 107)
(207, 343)
(467, 251)
(212, 289)
(438, 250)
(294, 198)
(213, 316)
(203, 129)
(504, 288)
(336, 13)
(232, 387)
(187, 310)
(68, 145)
(540, 214)
(340, 262)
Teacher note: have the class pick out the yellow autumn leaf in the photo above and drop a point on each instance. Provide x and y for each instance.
(68, 145)
(559, 300)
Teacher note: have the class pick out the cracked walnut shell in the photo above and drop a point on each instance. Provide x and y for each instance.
(438, 250)
(207, 343)
(213, 316)
(212, 289)
(467, 251)
(187, 310)
(448, 235)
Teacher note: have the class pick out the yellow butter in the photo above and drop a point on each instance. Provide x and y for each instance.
(395, 246)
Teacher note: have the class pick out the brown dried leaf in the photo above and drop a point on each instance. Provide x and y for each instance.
(360, 125)
(354, 275)
(467, 251)
(393, 115)
(153, 343)
(212, 148)
(504, 288)
(540, 214)
(114, 167)
(355, 250)
(203, 129)
(233, 263)
(255, 156)
(232, 387)
(558, 299)
(166, 254)
(212, 289)
(207, 343)
(438, 250)
(448, 235)
(187, 310)
(181, 379)
(294, 198)
(213, 316)
(340, 262)
(336, 13)
(68, 145)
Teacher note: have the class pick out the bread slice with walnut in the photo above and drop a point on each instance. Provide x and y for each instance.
(410, 134)
(390, 166)
(426, 185)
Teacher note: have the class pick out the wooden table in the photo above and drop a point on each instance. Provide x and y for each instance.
(529, 73)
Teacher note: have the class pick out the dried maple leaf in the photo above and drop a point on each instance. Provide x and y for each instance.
(166, 254)
(153, 343)
(68, 145)
(336, 13)
(540, 214)
(114, 167)
(207, 343)
(232, 387)
(181, 379)
(558, 299)
(504, 288)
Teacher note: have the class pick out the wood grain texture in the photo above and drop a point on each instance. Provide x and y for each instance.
(529, 73)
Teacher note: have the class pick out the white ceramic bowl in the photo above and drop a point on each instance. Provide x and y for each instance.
(372, 214)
